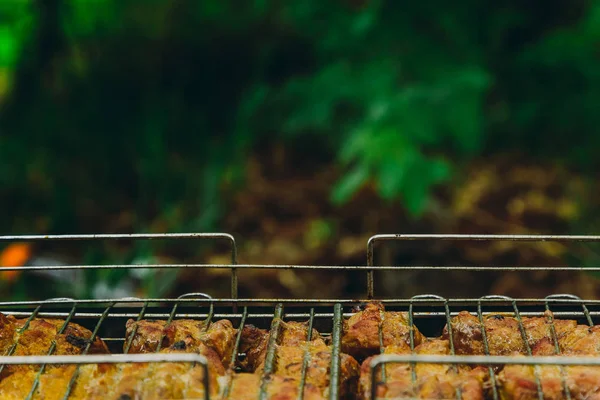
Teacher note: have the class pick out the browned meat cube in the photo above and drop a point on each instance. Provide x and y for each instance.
(186, 335)
(38, 336)
(361, 336)
(289, 361)
(518, 382)
(246, 386)
(254, 341)
(503, 333)
(151, 381)
(430, 381)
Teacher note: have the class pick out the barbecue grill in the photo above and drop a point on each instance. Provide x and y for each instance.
(106, 317)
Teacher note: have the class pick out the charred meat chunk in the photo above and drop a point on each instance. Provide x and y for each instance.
(363, 330)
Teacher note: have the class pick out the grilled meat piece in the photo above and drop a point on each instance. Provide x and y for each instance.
(518, 382)
(246, 386)
(7, 333)
(504, 335)
(113, 382)
(361, 335)
(292, 333)
(161, 381)
(584, 340)
(430, 381)
(254, 341)
(289, 361)
(36, 338)
(184, 334)
(253, 345)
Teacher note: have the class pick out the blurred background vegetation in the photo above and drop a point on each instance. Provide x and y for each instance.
(302, 128)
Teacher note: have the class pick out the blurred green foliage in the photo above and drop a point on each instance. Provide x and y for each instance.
(148, 104)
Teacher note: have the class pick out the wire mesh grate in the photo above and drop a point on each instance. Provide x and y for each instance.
(428, 313)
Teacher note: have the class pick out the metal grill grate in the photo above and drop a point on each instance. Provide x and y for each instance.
(429, 313)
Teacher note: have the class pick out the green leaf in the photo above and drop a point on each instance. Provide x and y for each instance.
(349, 184)
(8, 47)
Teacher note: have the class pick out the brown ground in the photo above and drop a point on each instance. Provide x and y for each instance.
(283, 216)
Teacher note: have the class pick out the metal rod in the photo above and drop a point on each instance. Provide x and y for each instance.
(306, 357)
(135, 328)
(409, 237)
(559, 238)
(135, 236)
(411, 342)
(234, 354)
(397, 301)
(380, 337)
(486, 349)
(36, 381)
(120, 236)
(271, 349)
(336, 336)
(550, 319)
(457, 389)
(86, 349)
(536, 371)
(486, 360)
(105, 359)
(418, 315)
(485, 237)
(446, 268)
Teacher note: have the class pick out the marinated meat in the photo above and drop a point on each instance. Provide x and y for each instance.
(37, 337)
(503, 333)
(293, 333)
(254, 341)
(518, 382)
(253, 345)
(429, 381)
(361, 334)
(289, 361)
(246, 386)
(112, 382)
(189, 335)
(364, 334)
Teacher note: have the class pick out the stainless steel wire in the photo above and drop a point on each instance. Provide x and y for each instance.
(469, 237)
(271, 352)
(135, 236)
(306, 357)
(318, 310)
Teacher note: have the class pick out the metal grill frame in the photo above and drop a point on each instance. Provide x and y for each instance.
(201, 299)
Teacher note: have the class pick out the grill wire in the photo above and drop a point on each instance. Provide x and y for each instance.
(102, 314)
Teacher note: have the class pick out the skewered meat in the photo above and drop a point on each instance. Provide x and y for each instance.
(254, 341)
(430, 381)
(518, 382)
(289, 361)
(504, 335)
(188, 335)
(246, 386)
(361, 335)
